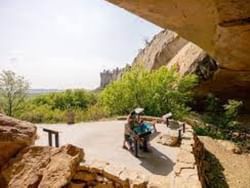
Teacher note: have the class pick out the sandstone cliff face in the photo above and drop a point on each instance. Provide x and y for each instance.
(192, 59)
(169, 49)
(221, 28)
(160, 50)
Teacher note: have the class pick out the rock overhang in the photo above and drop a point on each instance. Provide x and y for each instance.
(220, 27)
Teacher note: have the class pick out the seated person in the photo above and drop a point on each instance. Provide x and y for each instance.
(136, 128)
(128, 130)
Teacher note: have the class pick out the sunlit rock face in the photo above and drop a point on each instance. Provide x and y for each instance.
(220, 27)
(169, 49)
(38, 166)
(24, 165)
(163, 47)
(14, 136)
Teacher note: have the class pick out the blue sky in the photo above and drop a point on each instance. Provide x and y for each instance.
(66, 43)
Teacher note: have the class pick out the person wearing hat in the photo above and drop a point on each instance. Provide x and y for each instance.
(128, 130)
(136, 128)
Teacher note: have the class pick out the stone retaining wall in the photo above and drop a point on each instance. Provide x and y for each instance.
(188, 170)
(102, 174)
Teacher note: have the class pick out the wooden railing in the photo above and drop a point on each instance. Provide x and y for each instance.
(52, 133)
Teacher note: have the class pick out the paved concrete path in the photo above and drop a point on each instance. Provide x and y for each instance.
(103, 141)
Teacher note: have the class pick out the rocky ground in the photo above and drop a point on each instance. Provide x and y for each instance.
(197, 160)
(224, 168)
(103, 141)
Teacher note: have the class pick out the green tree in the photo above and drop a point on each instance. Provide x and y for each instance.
(157, 91)
(13, 90)
(53, 107)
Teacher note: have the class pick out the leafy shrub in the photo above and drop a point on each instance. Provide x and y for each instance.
(70, 99)
(53, 107)
(219, 120)
(222, 115)
(93, 113)
(158, 92)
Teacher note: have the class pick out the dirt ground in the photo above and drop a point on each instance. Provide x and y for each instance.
(227, 169)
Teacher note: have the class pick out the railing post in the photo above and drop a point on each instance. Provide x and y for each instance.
(57, 140)
(184, 127)
(50, 134)
(179, 134)
(50, 138)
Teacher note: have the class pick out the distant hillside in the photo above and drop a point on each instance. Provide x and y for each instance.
(42, 91)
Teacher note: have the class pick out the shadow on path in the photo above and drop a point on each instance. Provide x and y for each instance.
(156, 162)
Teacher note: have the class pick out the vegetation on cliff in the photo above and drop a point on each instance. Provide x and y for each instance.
(158, 92)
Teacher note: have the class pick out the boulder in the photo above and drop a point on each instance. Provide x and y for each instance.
(38, 166)
(14, 136)
(169, 139)
(229, 146)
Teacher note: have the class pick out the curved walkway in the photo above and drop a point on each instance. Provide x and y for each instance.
(103, 141)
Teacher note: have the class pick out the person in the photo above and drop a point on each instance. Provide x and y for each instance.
(138, 130)
(128, 130)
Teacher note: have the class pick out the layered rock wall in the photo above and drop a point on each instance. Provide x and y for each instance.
(189, 170)
(220, 27)
(163, 47)
(169, 49)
